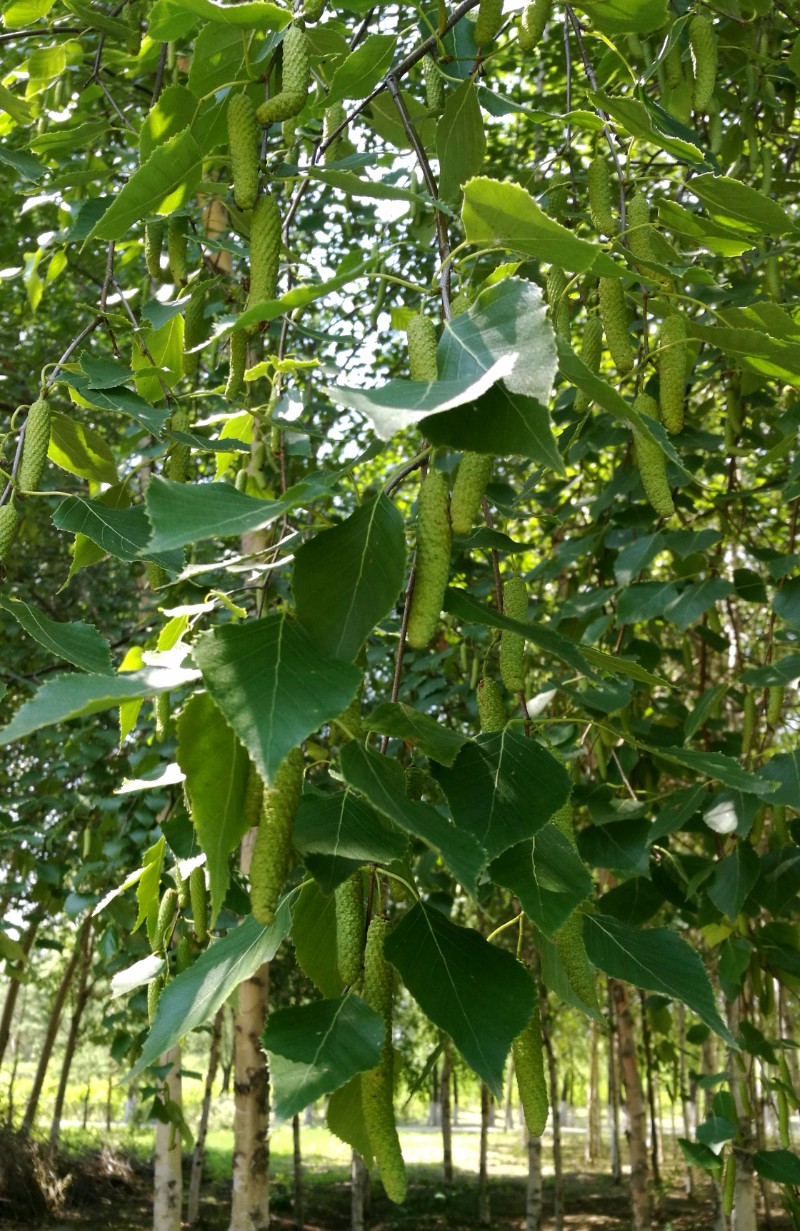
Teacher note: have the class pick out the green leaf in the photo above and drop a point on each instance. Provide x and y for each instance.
(732, 204)
(162, 184)
(383, 783)
(696, 598)
(503, 788)
(347, 579)
(272, 685)
(345, 1118)
(363, 69)
(547, 876)
(501, 423)
(626, 16)
(648, 123)
(465, 607)
(781, 1166)
(479, 995)
(149, 883)
(122, 532)
(507, 215)
(218, 59)
(717, 766)
(168, 18)
(654, 959)
(786, 602)
(733, 879)
(192, 998)
(314, 938)
(460, 141)
(77, 642)
(125, 401)
(80, 450)
(345, 826)
(216, 767)
(420, 730)
(716, 1130)
(783, 770)
(73, 696)
(317, 1048)
(21, 13)
(698, 1155)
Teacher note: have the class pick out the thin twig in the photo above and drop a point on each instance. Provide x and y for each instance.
(162, 61)
(401, 648)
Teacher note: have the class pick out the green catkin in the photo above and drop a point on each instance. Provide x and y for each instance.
(434, 88)
(512, 645)
(528, 1054)
(489, 20)
(177, 250)
(194, 329)
(557, 200)
(167, 910)
(35, 446)
(415, 782)
(680, 101)
(348, 724)
(472, 476)
(349, 902)
(558, 301)
(272, 851)
(253, 796)
(703, 43)
(421, 334)
(199, 900)
(433, 559)
(243, 142)
(672, 371)
(334, 116)
(265, 250)
(591, 354)
(377, 1085)
(783, 1118)
(313, 9)
(562, 819)
(639, 229)
(532, 22)
(133, 43)
(774, 704)
(786, 1078)
(651, 461)
(599, 183)
(154, 990)
(178, 466)
(181, 887)
(183, 955)
(460, 303)
(614, 315)
(237, 364)
(153, 243)
(749, 720)
(572, 951)
(156, 576)
(491, 711)
(163, 714)
(296, 78)
(673, 66)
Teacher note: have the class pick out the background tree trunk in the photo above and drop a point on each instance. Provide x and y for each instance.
(199, 1152)
(15, 983)
(686, 1103)
(613, 1095)
(297, 1191)
(629, 1072)
(744, 1193)
(359, 1180)
(447, 1126)
(250, 1201)
(533, 1196)
(168, 1177)
(484, 1212)
(593, 1099)
(555, 1117)
(82, 996)
(651, 1091)
(53, 1023)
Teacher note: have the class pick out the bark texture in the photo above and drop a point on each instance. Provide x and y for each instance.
(250, 1202)
(641, 1214)
(82, 996)
(199, 1152)
(167, 1177)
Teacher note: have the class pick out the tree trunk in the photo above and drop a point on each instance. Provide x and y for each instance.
(14, 985)
(613, 1096)
(651, 1092)
(167, 1174)
(455, 1098)
(86, 1099)
(508, 1111)
(250, 1203)
(533, 1196)
(81, 1000)
(447, 1127)
(686, 1103)
(359, 1179)
(629, 1072)
(199, 1153)
(744, 1192)
(297, 1194)
(555, 1118)
(434, 1105)
(484, 1213)
(54, 1021)
(593, 1102)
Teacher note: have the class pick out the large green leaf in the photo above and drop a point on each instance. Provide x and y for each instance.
(122, 532)
(193, 997)
(420, 730)
(317, 1048)
(626, 16)
(80, 450)
(74, 696)
(346, 826)
(170, 19)
(314, 938)
(655, 959)
(383, 783)
(345, 1118)
(780, 1166)
(734, 877)
(547, 876)
(719, 767)
(732, 204)
(362, 69)
(164, 183)
(783, 771)
(501, 423)
(347, 579)
(215, 766)
(460, 140)
(479, 995)
(77, 642)
(507, 215)
(273, 685)
(503, 788)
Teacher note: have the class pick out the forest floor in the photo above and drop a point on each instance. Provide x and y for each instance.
(111, 1188)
